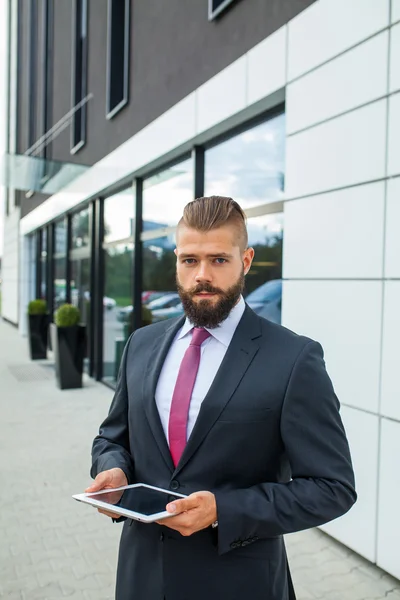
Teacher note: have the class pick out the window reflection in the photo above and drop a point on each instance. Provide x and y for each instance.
(80, 258)
(165, 194)
(60, 263)
(249, 167)
(119, 223)
(43, 266)
(263, 289)
(81, 229)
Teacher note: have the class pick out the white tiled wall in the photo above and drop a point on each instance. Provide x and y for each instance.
(9, 300)
(330, 223)
(357, 529)
(222, 96)
(392, 238)
(350, 80)
(390, 403)
(394, 137)
(265, 75)
(313, 35)
(341, 152)
(389, 494)
(395, 59)
(345, 316)
(395, 11)
(342, 247)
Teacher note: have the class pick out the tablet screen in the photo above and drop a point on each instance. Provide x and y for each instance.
(138, 499)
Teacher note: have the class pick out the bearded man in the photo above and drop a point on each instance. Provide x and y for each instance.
(231, 410)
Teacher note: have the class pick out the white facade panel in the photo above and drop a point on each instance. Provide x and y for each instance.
(394, 137)
(390, 395)
(395, 11)
(357, 529)
(392, 238)
(352, 79)
(341, 152)
(395, 59)
(9, 299)
(330, 27)
(338, 234)
(389, 494)
(345, 317)
(267, 66)
(222, 96)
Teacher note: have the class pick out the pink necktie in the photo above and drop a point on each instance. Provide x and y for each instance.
(178, 417)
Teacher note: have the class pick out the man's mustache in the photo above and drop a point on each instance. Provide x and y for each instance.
(204, 287)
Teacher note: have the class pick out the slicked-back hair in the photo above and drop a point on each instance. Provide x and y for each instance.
(211, 212)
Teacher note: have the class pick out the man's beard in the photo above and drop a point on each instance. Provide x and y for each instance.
(208, 313)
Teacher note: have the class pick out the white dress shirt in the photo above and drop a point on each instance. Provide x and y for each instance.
(212, 353)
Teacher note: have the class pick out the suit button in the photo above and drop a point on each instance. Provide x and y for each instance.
(161, 537)
(174, 485)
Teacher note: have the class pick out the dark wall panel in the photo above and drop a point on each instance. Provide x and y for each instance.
(62, 74)
(173, 50)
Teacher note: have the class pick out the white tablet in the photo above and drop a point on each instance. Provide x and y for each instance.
(138, 501)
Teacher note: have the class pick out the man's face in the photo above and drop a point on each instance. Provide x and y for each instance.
(210, 273)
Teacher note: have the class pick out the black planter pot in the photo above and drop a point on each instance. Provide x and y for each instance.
(69, 350)
(38, 328)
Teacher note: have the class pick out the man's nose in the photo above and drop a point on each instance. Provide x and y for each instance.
(203, 273)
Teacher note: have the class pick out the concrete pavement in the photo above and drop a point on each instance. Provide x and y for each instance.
(51, 547)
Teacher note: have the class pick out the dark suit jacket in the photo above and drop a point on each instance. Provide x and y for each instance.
(268, 441)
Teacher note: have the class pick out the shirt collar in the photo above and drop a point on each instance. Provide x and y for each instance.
(224, 332)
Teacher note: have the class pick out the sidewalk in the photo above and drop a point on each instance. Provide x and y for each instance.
(51, 547)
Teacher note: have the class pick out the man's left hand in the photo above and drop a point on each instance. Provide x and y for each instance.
(194, 513)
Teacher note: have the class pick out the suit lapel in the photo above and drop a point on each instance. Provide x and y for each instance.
(156, 360)
(238, 357)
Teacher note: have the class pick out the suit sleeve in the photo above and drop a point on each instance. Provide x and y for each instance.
(322, 486)
(111, 446)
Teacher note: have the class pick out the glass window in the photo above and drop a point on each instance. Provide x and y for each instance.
(79, 74)
(165, 196)
(43, 266)
(215, 7)
(80, 260)
(60, 263)
(250, 166)
(80, 229)
(117, 55)
(263, 289)
(119, 220)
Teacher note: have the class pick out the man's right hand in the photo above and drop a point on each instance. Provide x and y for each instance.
(108, 480)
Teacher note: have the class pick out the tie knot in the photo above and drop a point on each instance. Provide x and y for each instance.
(199, 335)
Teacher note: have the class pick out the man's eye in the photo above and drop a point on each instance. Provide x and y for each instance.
(221, 261)
(189, 261)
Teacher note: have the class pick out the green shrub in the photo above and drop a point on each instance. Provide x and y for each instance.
(67, 315)
(37, 307)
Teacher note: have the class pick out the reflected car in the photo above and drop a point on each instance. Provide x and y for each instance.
(167, 301)
(266, 300)
(108, 303)
(149, 296)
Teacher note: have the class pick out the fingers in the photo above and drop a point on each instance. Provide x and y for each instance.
(100, 482)
(180, 506)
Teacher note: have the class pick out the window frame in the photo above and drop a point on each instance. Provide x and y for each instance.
(77, 145)
(214, 12)
(111, 112)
